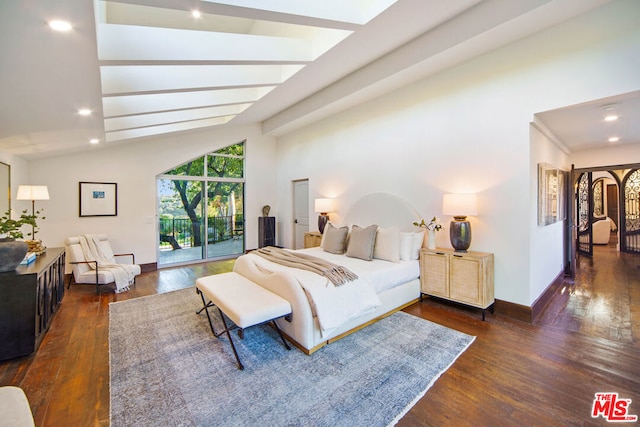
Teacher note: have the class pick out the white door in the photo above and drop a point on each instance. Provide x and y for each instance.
(300, 212)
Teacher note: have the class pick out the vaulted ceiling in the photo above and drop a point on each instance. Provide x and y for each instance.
(151, 67)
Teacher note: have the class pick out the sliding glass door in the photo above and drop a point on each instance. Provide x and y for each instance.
(225, 229)
(181, 221)
(201, 208)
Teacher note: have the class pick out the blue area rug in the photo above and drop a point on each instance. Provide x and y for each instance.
(167, 369)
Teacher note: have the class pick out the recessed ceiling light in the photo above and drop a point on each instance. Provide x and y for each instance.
(94, 141)
(196, 13)
(60, 25)
(84, 112)
(611, 118)
(614, 139)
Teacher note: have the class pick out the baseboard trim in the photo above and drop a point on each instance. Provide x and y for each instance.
(530, 314)
(543, 300)
(513, 310)
(152, 266)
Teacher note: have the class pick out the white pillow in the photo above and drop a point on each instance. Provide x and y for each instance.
(406, 242)
(387, 245)
(418, 240)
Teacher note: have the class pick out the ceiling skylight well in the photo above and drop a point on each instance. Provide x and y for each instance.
(164, 70)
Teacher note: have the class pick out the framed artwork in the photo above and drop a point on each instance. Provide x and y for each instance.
(98, 199)
(549, 203)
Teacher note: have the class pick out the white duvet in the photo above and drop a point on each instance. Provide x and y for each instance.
(335, 305)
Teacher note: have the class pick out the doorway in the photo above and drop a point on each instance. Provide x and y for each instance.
(606, 206)
(300, 212)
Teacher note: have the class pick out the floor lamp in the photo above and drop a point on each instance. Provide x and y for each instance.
(33, 193)
(459, 206)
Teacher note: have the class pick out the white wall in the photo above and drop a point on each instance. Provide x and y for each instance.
(546, 260)
(134, 167)
(467, 130)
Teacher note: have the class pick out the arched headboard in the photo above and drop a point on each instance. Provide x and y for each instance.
(383, 209)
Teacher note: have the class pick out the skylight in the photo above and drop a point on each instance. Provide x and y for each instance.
(164, 70)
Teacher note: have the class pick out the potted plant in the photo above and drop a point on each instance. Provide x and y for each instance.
(9, 227)
(35, 245)
(12, 251)
(431, 227)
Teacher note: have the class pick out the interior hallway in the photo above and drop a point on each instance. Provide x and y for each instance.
(586, 341)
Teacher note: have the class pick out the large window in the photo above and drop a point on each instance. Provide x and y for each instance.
(201, 208)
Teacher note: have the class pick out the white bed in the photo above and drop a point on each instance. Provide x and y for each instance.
(382, 287)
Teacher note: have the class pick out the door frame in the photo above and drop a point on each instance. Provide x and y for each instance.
(293, 209)
(571, 230)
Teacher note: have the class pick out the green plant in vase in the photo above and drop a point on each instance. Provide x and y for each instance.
(12, 251)
(9, 227)
(35, 245)
(32, 220)
(431, 227)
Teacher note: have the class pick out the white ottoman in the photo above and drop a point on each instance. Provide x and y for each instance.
(243, 301)
(14, 408)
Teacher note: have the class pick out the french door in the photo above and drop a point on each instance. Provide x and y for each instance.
(584, 213)
(630, 209)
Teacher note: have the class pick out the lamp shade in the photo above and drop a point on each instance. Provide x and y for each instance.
(459, 204)
(32, 192)
(324, 205)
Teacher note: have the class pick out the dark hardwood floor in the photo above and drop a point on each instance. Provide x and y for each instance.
(541, 374)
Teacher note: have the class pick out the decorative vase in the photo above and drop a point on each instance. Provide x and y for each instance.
(35, 246)
(11, 254)
(431, 239)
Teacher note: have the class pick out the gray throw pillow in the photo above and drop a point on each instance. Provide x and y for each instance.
(362, 242)
(335, 239)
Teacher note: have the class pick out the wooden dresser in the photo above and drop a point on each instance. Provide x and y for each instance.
(29, 297)
(464, 277)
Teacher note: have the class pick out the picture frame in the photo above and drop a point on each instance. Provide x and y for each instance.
(548, 194)
(98, 199)
(552, 197)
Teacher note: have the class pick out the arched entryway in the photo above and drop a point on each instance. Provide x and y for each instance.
(605, 205)
(630, 225)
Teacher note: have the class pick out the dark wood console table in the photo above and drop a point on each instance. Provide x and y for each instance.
(29, 297)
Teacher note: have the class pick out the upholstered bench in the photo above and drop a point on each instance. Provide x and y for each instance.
(245, 303)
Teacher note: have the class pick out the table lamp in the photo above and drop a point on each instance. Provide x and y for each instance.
(323, 206)
(33, 193)
(459, 206)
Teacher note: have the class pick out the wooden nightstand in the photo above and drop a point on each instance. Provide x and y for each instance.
(464, 277)
(312, 239)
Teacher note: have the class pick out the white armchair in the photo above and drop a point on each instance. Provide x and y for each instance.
(601, 231)
(88, 271)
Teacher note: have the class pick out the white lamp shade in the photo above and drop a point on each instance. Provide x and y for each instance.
(459, 204)
(324, 205)
(32, 192)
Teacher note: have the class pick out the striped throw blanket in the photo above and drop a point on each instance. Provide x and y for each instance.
(337, 274)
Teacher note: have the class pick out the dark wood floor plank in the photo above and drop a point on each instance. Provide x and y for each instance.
(547, 373)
